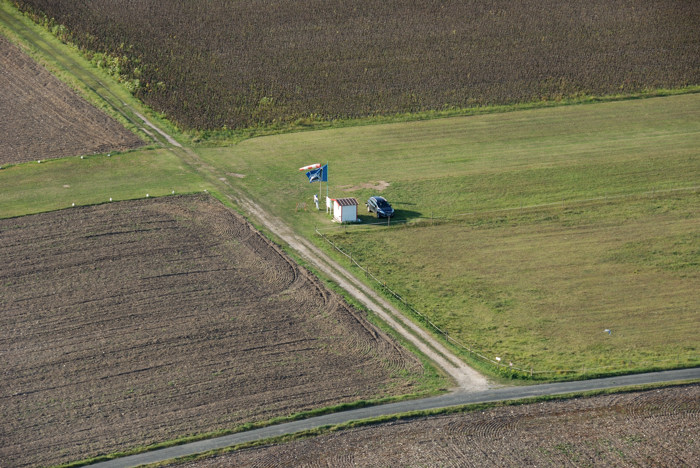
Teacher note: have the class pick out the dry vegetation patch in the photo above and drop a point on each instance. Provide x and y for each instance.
(42, 118)
(137, 322)
(650, 428)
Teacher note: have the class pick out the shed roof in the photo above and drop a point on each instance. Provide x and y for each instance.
(346, 201)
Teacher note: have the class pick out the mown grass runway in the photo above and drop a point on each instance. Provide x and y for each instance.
(546, 227)
(447, 167)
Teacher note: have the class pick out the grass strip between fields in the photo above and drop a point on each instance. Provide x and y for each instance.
(54, 184)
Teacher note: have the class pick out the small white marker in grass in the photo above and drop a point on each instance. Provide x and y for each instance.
(73, 204)
(110, 198)
(81, 157)
(38, 161)
(147, 195)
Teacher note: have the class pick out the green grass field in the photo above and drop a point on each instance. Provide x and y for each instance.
(58, 183)
(446, 167)
(614, 246)
(539, 288)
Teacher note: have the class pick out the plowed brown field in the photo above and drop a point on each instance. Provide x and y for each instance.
(650, 428)
(137, 322)
(42, 118)
(235, 64)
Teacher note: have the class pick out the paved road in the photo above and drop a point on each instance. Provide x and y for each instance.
(444, 401)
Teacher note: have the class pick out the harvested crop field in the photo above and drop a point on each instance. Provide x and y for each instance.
(136, 322)
(649, 428)
(42, 118)
(237, 64)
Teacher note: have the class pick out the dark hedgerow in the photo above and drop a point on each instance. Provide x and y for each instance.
(217, 63)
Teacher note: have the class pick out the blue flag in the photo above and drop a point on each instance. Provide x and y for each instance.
(314, 176)
(318, 175)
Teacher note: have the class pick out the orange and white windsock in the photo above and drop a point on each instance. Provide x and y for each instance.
(310, 166)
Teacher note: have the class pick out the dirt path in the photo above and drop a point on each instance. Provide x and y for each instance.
(465, 377)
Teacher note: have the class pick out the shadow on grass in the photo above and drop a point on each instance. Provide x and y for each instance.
(399, 215)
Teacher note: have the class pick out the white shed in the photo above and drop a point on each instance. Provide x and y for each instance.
(345, 210)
